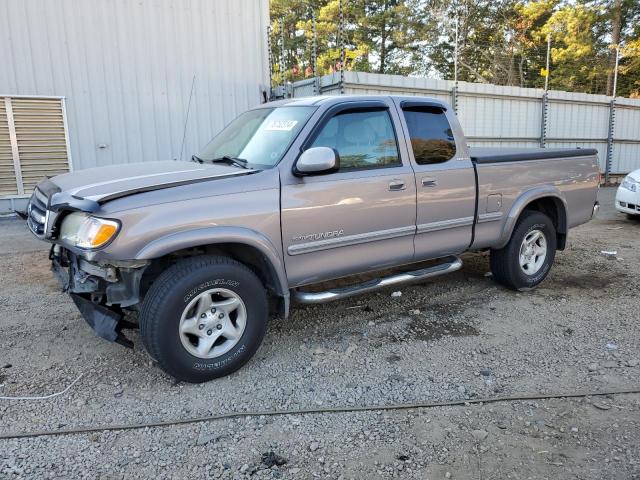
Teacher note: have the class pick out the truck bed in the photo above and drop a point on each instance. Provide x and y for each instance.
(504, 176)
(493, 155)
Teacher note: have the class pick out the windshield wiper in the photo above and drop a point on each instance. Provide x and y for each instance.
(195, 158)
(239, 162)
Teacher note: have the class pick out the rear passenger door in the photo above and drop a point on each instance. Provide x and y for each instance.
(361, 217)
(445, 179)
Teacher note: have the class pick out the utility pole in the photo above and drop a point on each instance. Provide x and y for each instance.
(314, 53)
(455, 54)
(615, 72)
(546, 77)
(341, 45)
(454, 90)
(545, 98)
(270, 62)
(282, 68)
(612, 119)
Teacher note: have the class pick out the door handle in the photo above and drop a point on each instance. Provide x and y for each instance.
(395, 185)
(429, 182)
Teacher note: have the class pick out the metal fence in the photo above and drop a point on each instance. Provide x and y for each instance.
(493, 115)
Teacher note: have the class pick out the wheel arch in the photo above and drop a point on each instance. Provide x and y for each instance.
(245, 245)
(547, 200)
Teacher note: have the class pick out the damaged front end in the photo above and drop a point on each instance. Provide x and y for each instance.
(100, 290)
(69, 212)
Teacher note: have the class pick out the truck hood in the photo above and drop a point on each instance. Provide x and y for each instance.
(91, 187)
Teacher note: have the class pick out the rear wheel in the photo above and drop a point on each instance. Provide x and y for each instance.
(525, 261)
(204, 318)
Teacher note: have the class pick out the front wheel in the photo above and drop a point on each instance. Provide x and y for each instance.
(525, 261)
(204, 318)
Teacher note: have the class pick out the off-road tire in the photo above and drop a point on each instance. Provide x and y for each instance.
(168, 297)
(505, 263)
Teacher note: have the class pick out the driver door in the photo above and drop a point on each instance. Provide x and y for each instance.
(363, 216)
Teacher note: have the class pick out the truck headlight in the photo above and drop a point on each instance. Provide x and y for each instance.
(630, 184)
(85, 231)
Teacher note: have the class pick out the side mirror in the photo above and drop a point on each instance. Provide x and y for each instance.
(316, 161)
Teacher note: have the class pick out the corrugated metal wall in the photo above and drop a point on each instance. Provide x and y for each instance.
(494, 115)
(126, 69)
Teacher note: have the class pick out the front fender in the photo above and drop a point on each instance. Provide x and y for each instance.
(217, 235)
(525, 199)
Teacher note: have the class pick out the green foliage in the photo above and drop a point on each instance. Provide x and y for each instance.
(578, 55)
(499, 41)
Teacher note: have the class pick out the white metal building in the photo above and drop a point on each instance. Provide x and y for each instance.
(117, 76)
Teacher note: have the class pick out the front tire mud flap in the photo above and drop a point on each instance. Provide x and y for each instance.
(104, 321)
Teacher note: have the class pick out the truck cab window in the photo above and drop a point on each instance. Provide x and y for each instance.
(363, 139)
(432, 139)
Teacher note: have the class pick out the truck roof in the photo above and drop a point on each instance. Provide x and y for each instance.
(333, 99)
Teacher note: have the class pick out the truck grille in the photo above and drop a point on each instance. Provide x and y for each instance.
(37, 213)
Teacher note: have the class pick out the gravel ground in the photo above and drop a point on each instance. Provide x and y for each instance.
(458, 337)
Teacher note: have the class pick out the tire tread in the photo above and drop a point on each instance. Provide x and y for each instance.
(163, 285)
(501, 260)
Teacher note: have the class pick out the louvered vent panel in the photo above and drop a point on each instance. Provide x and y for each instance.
(7, 173)
(41, 138)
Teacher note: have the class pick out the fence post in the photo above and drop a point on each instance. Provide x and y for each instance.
(544, 119)
(612, 122)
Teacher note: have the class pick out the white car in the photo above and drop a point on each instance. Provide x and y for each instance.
(628, 194)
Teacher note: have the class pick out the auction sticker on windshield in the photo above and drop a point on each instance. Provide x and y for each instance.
(281, 125)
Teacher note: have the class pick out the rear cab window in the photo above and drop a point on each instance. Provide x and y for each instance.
(432, 139)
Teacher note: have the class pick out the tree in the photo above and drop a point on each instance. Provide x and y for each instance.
(502, 42)
(296, 52)
(619, 20)
(528, 23)
(629, 80)
(391, 29)
(578, 52)
(487, 50)
(380, 35)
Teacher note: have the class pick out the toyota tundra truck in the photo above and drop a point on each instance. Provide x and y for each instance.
(299, 201)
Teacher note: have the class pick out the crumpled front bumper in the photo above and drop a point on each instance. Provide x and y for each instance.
(107, 323)
(92, 286)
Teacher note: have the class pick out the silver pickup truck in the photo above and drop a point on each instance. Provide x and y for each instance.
(371, 190)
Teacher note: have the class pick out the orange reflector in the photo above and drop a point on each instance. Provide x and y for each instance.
(103, 235)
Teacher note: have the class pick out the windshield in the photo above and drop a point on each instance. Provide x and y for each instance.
(261, 136)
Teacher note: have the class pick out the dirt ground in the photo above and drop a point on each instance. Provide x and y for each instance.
(459, 337)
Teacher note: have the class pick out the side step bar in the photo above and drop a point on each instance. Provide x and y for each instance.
(453, 264)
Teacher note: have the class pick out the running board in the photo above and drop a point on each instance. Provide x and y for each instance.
(452, 265)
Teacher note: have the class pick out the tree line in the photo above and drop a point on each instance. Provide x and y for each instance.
(502, 42)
